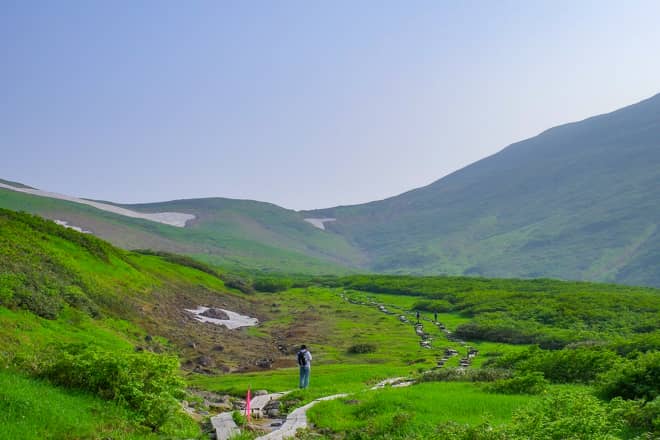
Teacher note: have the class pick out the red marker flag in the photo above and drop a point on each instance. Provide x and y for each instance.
(248, 413)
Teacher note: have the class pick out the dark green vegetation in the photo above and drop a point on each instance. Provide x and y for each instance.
(580, 201)
(596, 377)
(550, 313)
(32, 409)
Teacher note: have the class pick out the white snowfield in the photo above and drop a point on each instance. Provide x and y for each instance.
(75, 228)
(319, 222)
(178, 219)
(235, 320)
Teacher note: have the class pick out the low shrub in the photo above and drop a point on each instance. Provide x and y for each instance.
(466, 375)
(581, 364)
(566, 415)
(637, 378)
(272, 285)
(361, 349)
(181, 260)
(640, 416)
(238, 282)
(40, 303)
(144, 382)
(239, 418)
(433, 306)
(484, 431)
(526, 383)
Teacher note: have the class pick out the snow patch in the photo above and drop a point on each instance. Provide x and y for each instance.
(235, 320)
(75, 228)
(178, 219)
(319, 222)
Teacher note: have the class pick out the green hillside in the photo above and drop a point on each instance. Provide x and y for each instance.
(580, 201)
(238, 234)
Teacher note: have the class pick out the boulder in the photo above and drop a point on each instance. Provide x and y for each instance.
(264, 363)
(205, 361)
(215, 314)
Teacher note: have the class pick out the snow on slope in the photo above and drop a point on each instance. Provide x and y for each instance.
(178, 219)
(319, 222)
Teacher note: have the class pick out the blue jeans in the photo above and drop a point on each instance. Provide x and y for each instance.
(304, 377)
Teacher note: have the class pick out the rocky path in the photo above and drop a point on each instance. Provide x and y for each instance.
(224, 426)
(296, 420)
(426, 340)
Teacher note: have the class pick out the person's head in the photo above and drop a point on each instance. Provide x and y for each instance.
(303, 347)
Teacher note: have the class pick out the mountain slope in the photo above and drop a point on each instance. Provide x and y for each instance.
(232, 233)
(579, 201)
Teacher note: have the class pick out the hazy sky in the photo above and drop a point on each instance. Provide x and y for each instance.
(306, 104)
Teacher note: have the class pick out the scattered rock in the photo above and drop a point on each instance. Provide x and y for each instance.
(215, 314)
(218, 348)
(205, 361)
(272, 409)
(264, 363)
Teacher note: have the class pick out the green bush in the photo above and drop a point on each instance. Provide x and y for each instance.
(272, 285)
(9, 283)
(637, 378)
(239, 418)
(569, 365)
(484, 431)
(526, 383)
(145, 382)
(361, 349)
(566, 415)
(641, 417)
(38, 302)
(181, 260)
(76, 298)
(433, 306)
(237, 282)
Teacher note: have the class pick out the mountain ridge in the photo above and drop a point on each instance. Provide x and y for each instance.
(578, 201)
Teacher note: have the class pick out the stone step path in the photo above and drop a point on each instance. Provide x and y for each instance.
(395, 382)
(258, 403)
(296, 420)
(224, 426)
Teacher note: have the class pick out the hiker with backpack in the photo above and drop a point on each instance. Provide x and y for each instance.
(305, 364)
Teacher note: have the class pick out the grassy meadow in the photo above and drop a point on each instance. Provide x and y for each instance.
(86, 325)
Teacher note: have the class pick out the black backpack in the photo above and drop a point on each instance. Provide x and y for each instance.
(302, 360)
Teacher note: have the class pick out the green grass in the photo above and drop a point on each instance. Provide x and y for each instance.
(34, 409)
(412, 412)
(325, 379)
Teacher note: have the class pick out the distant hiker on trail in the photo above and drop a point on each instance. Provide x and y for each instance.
(418, 317)
(305, 364)
(435, 316)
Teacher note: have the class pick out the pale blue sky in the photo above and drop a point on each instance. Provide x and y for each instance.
(306, 104)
